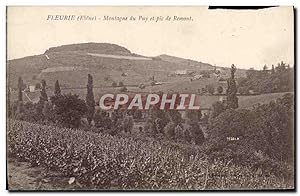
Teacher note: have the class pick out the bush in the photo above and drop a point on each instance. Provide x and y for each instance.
(267, 128)
(128, 124)
(192, 132)
(179, 132)
(102, 120)
(25, 111)
(220, 89)
(169, 130)
(124, 89)
(68, 110)
(210, 88)
(121, 84)
(217, 108)
(114, 84)
(156, 121)
(194, 115)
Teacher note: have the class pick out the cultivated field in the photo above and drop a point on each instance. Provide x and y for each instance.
(99, 161)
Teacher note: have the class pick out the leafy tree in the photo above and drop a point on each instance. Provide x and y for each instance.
(204, 90)
(102, 120)
(106, 78)
(137, 114)
(90, 101)
(195, 132)
(142, 86)
(156, 121)
(174, 116)
(117, 116)
(178, 131)
(57, 90)
(232, 100)
(243, 90)
(276, 120)
(217, 108)
(194, 115)
(281, 67)
(210, 88)
(121, 84)
(205, 118)
(69, 109)
(128, 124)
(37, 86)
(169, 130)
(220, 89)
(187, 134)
(237, 124)
(114, 84)
(34, 77)
(124, 89)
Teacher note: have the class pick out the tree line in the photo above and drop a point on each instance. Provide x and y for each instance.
(276, 79)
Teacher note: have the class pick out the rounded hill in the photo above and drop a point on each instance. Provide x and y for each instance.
(101, 48)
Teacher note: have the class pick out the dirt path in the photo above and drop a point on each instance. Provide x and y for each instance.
(21, 176)
(121, 57)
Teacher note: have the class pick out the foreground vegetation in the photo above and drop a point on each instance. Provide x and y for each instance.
(100, 161)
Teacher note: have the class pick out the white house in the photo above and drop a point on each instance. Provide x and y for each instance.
(31, 88)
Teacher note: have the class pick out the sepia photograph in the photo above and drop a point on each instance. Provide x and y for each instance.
(150, 98)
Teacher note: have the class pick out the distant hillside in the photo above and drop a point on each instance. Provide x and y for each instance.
(108, 64)
(100, 48)
(187, 62)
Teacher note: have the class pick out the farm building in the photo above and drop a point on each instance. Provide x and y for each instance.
(31, 88)
(181, 72)
(197, 77)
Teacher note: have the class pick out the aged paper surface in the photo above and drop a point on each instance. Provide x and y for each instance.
(150, 98)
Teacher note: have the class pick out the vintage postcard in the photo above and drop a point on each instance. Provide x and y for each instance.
(148, 98)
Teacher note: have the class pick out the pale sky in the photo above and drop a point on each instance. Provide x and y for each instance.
(247, 38)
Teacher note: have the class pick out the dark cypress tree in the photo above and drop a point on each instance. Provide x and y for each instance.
(265, 68)
(232, 100)
(57, 91)
(20, 86)
(273, 69)
(19, 112)
(44, 96)
(90, 102)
